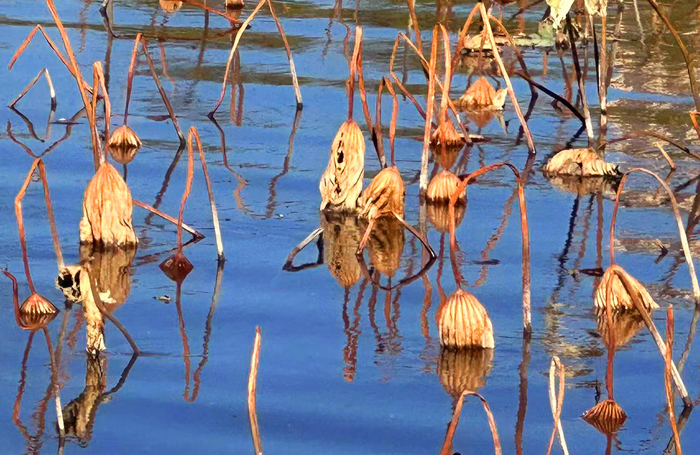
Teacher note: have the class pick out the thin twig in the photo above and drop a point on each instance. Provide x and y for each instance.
(130, 76)
(581, 84)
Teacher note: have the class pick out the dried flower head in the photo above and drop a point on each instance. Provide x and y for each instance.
(341, 182)
(620, 298)
(460, 370)
(177, 267)
(442, 186)
(341, 237)
(607, 417)
(439, 215)
(107, 208)
(386, 242)
(170, 6)
(482, 95)
(384, 195)
(463, 322)
(37, 305)
(124, 144)
(582, 162)
(452, 137)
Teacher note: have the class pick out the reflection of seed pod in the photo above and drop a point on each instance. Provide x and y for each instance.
(481, 94)
(447, 157)
(94, 324)
(36, 321)
(341, 237)
(439, 215)
(79, 414)
(620, 299)
(124, 144)
(607, 417)
(170, 6)
(624, 327)
(463, 369)
(481, 117)
(385, 194)
(442, 186)
(463, 322)
(107, 210)
(452, 137)
(583, 186)
(386, 244)
(112, 270)
(37, 305)
(341, 182)
(582, 162)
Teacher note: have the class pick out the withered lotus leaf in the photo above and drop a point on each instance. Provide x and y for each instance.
(384, 195)
(582, 162)
(620, 299)
(463, 322)
(442, 186)
(107, 208)
(481, 94)
(607, 417)
(341, 182)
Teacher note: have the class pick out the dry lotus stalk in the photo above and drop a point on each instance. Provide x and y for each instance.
(607, 417)
(620, 299)
(386, 242)
(341, 237)
(463, 322)
(460, 370)
(107, 208)
(341, 182)
(170, 6)
(384, 195)
(442, 186)
(481, 94)
(582, 162)
(124, 144)
(439, 215)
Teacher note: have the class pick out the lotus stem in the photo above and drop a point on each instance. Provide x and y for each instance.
(292, 254)
(20, 223)
(581, 84)
(556, 404)
(655, 135)
(679, 222)
(211, 10)
(353, 70)
(195, 233)
(429, 114)
(99, 77)
(33, 82)
(447, 445)
(511, 92)
(130, 77)
(406, 93)
(557, 97)
(365, 106)
(56, 387)
(252, 387)
(49, 212)
(667, 379)
(185, 195)
(292, 69)
(15, 297)
(522, 394)
(462, 35)
(414, 21)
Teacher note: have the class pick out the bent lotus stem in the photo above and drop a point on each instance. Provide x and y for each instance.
(365, 106)
(195, 233)
(637, 300)
(462, 35)
(353, 70)
(32, 83)
(130, 77)
(414, 21)
(185, 195)
(511, 92)
(214, 215)
(377, 136)
(252, 388)
(554, 95)
(581, 84)
(447, 445)
(556, 404)
(679, 222)
(524, 230)
(668, 360)
(15, 297)
(287, 49)
(423, 184)
(99, 83)
(637, 134)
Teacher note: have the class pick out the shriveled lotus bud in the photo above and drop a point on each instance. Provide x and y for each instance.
(234, 4)
(341, 182)
(460, 370)
(607, 417)
(36, 305)
(452, 137)
(107, 208)
(341, 237)
(442, 186)
(439, 215)
(620, 299)
(177, 267)
(386, 242)
(124, 144)
(463, 322)
(581, 162)
(482, 95)
(170, 6)
(384, 195)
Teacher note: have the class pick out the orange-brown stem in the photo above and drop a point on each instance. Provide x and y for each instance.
(353, 69)
(447, 445)
(130, 77)
(667, 380)
(185, 195)
(414, 21)
(252, 389)
(15, 297)
(423, 184)
(288, 50)
(20, 223)
(195, 233)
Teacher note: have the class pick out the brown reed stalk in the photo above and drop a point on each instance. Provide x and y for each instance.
(414, 20)
(423, 185)
(252, 388)
(288, 50)
(214, 215)
(195, 233)
(581, 84)
(504, 73)
(447, 445)
(107, 314)
(524, 230)
(556, 404)
(32, 83)
(667, 380)
(130, 77)
(679, 222)
(163, 95)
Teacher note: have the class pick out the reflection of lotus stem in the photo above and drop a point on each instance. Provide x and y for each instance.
(679, 222)
(667, 379)
(525, 233)
(556, 404)
(557, 97)
(130, 77)
(252, 385)
(447, 445)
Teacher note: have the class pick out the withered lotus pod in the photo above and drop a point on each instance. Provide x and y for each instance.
(124, 144)
(234, 4)
(481, 94)
(341, 237)
(463, 322)
(385, 194)
(341, 182)
(439, 215)
(107, 208)
(607, 417)
(620, 299)
(37, 305)
(460, 370)
(452, 137)
(624, 327)
(582, 162)
(442, 186)
(170, 6)
(177, 267)
(386, 242)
